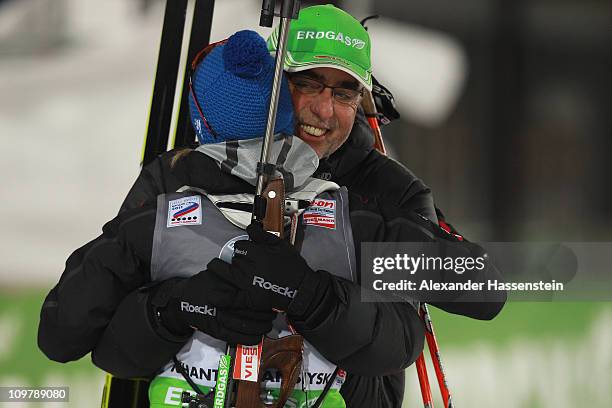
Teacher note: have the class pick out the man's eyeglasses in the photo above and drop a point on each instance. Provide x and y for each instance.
(310, 86)
(194, 65)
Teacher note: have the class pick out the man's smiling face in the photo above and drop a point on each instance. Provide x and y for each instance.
(321, 121)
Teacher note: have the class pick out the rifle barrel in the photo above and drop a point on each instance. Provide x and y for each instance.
(278, 74)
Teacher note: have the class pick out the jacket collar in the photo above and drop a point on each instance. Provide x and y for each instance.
(350, 154)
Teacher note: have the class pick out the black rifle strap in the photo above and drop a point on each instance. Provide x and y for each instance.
(178, 366)
(319, 400)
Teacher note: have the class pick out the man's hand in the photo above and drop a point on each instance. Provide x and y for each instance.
(203, 302)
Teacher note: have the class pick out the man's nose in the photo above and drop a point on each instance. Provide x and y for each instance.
(323, 104)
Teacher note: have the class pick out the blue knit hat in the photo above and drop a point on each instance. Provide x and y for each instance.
(232, 85)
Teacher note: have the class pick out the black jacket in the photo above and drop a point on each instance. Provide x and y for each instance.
(101, 304)
(97, 305)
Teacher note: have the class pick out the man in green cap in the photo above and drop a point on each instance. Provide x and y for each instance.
(329, 68)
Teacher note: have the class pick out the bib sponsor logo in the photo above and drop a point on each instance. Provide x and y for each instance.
(264, 284)
(206, 375)
(331, 35)
(221, 386)
(174, 396)
(184, 211)
(321, 213)
(311, 378)
(204, 309)
(247, 362)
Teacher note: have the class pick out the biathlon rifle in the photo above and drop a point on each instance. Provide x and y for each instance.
(283, 354)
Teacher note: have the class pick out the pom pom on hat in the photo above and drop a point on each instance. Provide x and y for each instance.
(246, 54)
(232, 85)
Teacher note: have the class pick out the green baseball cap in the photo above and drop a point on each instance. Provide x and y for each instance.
(326, 36)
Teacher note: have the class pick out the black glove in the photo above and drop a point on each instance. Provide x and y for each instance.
(271, 274)
(182, 305)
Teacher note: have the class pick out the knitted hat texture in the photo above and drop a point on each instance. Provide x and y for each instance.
(233, 84)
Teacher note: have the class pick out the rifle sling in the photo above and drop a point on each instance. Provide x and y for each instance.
(181, 370)
(319, 400)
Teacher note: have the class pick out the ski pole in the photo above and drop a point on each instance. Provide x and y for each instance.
(434, 351)
(369, 108)
(424, 381)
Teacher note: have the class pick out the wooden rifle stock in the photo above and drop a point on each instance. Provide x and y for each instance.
(274, 194)
(285, 353)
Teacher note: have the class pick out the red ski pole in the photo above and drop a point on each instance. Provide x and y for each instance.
(369, 108)
(434, 351)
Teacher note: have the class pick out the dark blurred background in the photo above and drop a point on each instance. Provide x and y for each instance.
(524, 153)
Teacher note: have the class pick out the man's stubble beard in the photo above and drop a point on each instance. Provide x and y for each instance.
(331, 142)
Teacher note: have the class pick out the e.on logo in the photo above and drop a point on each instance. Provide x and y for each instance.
(324, 203)
(321, 213)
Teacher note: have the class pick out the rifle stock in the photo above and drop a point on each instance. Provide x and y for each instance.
(285, 353)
